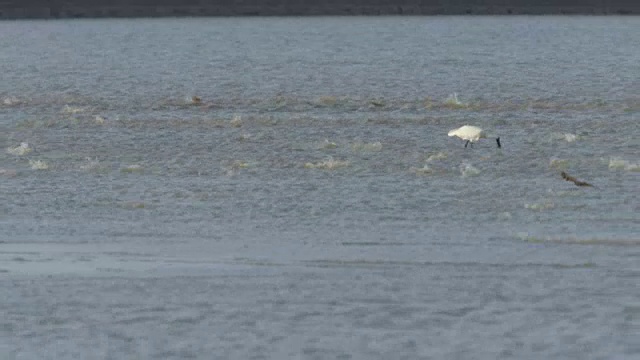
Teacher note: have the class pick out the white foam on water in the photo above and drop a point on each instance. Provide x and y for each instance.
(38, 165)
(568, 137)
(558, 163)
(72, 109)
(90, 164)
(20, 150)
(236, 121)
(327, 164)
(438, 156)
(616, 163)
(425, 170)
(326, 144)
(133, 168)
(540, 206)
(452, 101)
(467, 170)
(11, 101)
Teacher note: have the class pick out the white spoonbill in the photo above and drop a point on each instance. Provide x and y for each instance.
(471, 134)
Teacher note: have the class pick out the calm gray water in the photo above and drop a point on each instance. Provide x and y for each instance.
(311, 205)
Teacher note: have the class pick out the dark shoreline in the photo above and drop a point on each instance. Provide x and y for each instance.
(51, 9)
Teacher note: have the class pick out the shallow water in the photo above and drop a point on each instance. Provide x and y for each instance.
(311, 204)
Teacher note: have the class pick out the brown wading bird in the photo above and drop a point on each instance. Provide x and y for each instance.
(574, 180)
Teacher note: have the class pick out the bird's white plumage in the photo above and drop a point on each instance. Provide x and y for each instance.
(468, 132)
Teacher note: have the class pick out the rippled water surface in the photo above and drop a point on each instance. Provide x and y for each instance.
(273, 188)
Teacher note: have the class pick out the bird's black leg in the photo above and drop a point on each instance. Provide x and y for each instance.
(498, 141)
(467, 143)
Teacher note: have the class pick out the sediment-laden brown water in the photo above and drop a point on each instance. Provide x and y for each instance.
(285, 188)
